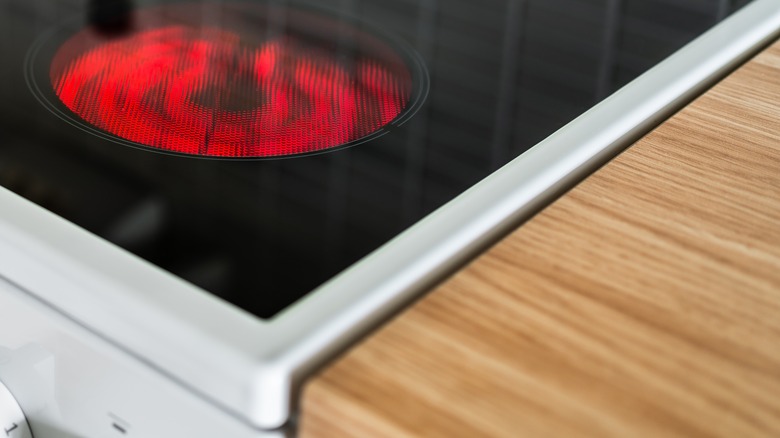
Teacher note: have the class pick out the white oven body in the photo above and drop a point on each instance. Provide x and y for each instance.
(71, 383)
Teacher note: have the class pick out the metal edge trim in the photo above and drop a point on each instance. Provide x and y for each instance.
(340, 312)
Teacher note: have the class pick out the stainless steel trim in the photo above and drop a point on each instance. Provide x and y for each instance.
(253, 368)
(453, 234)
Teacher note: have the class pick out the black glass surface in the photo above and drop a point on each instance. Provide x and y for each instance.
(262, 233)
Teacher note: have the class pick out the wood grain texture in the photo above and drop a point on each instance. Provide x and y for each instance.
(646, 302)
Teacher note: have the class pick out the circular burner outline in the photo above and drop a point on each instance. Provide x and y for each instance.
(39, 57)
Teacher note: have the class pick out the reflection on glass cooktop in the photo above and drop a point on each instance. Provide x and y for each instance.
(343, 121)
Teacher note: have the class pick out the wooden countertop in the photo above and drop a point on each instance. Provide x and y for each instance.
(645, 302)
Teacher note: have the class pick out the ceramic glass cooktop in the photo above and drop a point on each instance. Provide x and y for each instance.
(258, 148)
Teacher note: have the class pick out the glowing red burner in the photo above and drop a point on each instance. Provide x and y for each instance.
(205, 90)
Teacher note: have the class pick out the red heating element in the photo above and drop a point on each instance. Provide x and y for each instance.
(203, 91)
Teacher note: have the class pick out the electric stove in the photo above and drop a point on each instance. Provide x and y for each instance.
(204, 201)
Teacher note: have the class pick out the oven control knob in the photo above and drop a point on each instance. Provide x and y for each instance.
(13, 424)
